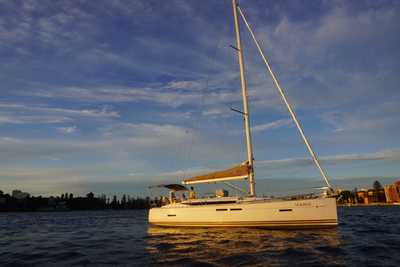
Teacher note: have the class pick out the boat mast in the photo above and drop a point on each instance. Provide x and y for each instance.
(286, 101)
(246, 112)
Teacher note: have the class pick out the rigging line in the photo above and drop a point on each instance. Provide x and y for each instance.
(284, 98)
(236, 187)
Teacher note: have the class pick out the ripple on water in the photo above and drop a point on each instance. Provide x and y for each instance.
(123, 238)
(69, 256)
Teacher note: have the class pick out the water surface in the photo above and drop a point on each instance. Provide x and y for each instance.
(367, 236)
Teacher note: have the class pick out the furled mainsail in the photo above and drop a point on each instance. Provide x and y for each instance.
(241, 171)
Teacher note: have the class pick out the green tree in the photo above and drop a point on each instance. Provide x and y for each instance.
(123, 201)
(114, 202)
(347, 196)
(90, 195)
(377, 186)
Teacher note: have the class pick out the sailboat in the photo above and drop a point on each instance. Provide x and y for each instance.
(249, 210)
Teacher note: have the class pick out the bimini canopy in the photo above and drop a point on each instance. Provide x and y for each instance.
(241, 171)
(173, 187)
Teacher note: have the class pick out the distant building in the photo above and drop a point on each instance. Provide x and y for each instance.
(371, 196)
(365, 196)
(18, 194)
(392, 192)
(362, 196)
(379, 194)
(376, 196)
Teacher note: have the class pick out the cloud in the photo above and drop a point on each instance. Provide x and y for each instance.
(136, 174)
(303, 49)
(385, 155)
(56, 180)
(190, 85)
(119, 141)
(368, 120)
(271, 125)
(381, 155)
(8, 140)
(168, 95)
(154, 135)
(15, 113)
(146, 130)
(176, 116)
(17, 150)
(217, 112)
(332, 58)
(63, 26)
(67, 130)
(337, 62)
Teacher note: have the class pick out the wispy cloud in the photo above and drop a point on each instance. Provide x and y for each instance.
(8, 140)
(190, 85)
(375, 121)
(375, 156)
(67, 130)
(23, 113)
(172, 95)
(271, 125)
(121, 141)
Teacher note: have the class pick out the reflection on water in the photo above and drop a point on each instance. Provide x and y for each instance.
(366, 236)
(236, 246)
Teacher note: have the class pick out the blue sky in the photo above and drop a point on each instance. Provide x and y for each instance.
(111, 96)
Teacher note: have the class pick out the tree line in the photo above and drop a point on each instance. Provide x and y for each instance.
(67, 201)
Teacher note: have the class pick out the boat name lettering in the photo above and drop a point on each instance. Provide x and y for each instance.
(302, 204)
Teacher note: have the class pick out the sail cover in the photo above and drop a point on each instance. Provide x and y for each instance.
(241, 171)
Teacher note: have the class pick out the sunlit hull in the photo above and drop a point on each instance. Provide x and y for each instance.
(309, 213)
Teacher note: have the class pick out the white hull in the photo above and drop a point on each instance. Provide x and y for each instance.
(309, 213)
